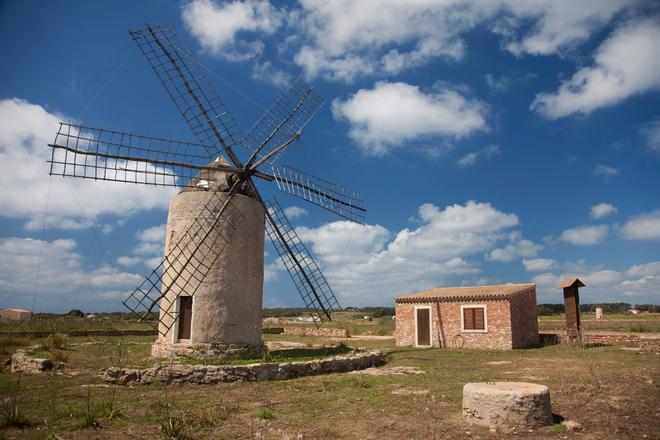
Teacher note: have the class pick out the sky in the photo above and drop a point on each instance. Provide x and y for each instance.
(507, 141)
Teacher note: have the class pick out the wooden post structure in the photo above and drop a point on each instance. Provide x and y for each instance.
(572, 306)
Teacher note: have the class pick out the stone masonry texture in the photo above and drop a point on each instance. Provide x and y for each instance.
(512, 323)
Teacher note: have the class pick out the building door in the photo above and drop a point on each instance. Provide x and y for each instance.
(424, 327)
(185, 316)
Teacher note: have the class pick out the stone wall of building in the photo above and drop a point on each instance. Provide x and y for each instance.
(211, 374)
(524, 319)
(446, 316)
(313, 331)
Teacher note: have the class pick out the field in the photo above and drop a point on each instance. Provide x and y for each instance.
(612, 392)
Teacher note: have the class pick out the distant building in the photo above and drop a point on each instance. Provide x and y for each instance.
(485, 317)
(14, 314)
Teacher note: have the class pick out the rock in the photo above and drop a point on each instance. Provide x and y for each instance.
(571, 425)
(21, 363)
(506, 404)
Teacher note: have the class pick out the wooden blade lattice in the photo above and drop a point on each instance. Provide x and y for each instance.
(336, 198)
(283, 121)
(190, 90)
(93, 153)
(187, 263)
(303, 269)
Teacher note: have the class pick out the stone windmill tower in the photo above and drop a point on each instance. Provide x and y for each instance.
(208, 290)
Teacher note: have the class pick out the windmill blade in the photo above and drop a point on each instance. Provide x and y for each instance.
(190, 90)
(282, 123)
(305, 272)
(94, 153)
(345, 202)
(186, 265)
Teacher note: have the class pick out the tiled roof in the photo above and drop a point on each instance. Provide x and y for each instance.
(500, 291)
(569, 283)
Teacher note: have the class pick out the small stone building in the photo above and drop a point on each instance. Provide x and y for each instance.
(14, 314)
(486, 317)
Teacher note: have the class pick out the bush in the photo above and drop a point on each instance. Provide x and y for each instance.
(58, 355)
(76, 313)
(57, 341)
(265, 414)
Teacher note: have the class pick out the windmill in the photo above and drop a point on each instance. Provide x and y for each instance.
(209, 287)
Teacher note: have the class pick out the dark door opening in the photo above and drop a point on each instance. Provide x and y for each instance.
(185, 316)
(423, 327)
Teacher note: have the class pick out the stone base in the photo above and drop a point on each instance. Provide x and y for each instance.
(506, 405)
(164, 349)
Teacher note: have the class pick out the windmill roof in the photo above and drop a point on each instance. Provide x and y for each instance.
(570, 282)
(500, 291)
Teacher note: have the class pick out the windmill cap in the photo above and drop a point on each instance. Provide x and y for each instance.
(570, 282)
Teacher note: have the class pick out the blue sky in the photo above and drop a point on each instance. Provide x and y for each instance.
(495, 142)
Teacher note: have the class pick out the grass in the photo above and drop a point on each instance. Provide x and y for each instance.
(88, 413)
(55, 323)
(611, 392)
(265, 413)
(11, 411)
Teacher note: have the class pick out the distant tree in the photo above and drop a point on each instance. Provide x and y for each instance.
(550, 309)
(653, 308)
(75, 312)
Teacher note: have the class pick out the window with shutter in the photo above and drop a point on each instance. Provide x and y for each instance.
(474, 318)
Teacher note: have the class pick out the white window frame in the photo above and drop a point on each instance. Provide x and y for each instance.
(175, 327)
(474, 306)
(430, 308)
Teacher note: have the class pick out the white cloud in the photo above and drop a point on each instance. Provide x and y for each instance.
(152, 234)
(61, 269)
(651, 133)
(294, 212)
(344, 39)
(602, 210)
(129, 261)
(367, 264)
(643, 227)
(539, 264)
(391, 114)
(268, 73)
(626, 64)
(25, 131)
(605, 170)
(471, 158)
(517, 247)
(149, 249)
(221, 28)
(639, 283)
(585, 235)
(557, 25)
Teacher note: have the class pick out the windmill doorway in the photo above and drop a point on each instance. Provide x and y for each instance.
(185, 317)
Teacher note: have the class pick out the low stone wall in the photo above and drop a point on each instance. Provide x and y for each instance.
(313, 331)
(649, 342)
(46, 333)
(211, 374)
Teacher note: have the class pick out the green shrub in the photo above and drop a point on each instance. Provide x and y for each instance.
(640, 329)
(88, 413)
(58, 341)
(265, 414)
(10, 410)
